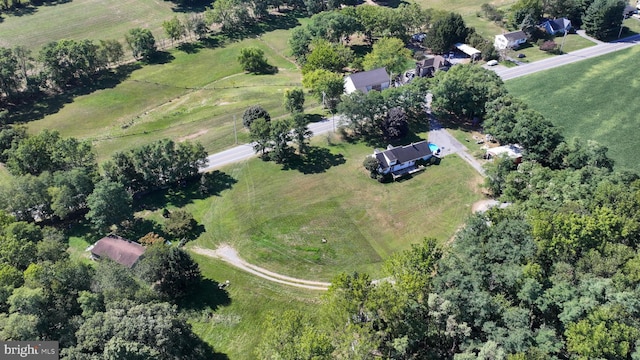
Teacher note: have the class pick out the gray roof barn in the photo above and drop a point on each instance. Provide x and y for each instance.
(118, 249)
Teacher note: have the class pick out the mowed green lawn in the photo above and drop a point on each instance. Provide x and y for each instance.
(593, 99)
(194, 96)
(84, 19)
(276, 218)
(236, 328)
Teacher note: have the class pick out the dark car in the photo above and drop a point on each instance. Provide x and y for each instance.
(521, 55)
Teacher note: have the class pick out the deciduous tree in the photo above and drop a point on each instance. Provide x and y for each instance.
(325, 85)
(389, 53)
(173, 28)
(293, 102)
(603, 18)
(464, 90)
(445, 32)
(180, 224)
(232, 15)
(254, 112)
(109, 204)
(252, 60)
(327, 56)
(170, 271)
(141, 42)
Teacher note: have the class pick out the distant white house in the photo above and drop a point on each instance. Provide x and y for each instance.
(402, 159)
(557, 26)
(365, 81)
(510, 40)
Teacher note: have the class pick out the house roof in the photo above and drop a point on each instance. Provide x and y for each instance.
(558, 24)
(436, 62)
(368, 78)
(515, 35)
(467, 49)
(513, 151)
(118, 249)
(403, 154)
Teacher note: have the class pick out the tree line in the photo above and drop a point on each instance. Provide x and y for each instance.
(102, 311)
(55, 178)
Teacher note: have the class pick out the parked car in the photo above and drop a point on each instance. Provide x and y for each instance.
(521, 55)
(492, 62)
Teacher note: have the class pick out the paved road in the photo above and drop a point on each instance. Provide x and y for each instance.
(244, 152)
(597, 50)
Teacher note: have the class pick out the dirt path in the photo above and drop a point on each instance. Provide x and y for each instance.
(229, 255)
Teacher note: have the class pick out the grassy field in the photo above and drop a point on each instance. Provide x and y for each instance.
(194, 96)
(84, 19)
(593, 99)
(235, 328)
(276, 217)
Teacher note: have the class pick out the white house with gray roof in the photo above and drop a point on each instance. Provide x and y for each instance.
(365, 81)
(401, 159)
(510, 40)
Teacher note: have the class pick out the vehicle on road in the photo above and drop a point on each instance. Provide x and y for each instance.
(492, 62)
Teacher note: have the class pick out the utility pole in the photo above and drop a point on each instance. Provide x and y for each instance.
(563, 38)
(235, 132)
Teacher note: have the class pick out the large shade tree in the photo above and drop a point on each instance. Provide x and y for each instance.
(603, 18)
(445, 32)
(141, 42)
(464, 90)
(389, 53)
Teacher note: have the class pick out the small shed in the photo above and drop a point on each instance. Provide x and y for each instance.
(118, 249)
(469, 50)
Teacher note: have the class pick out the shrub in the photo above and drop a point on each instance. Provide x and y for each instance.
(549, 46)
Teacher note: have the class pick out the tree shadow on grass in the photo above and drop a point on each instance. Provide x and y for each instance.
(193, 6)
(269, 23)
(207, 295)
(22, 10)
(191, 47)
(159, 58)
(316, 160)
(212, 42)
(37, 105)
(207, 184)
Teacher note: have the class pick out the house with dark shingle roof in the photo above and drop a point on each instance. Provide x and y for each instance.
(510, 40)
(118, 249)
(365, 81)
(402, 159)
(429, 67)
(557, 26)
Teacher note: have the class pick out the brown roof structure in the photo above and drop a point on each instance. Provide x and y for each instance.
(118, 249)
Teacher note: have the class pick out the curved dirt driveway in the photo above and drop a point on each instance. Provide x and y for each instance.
(229, 255)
